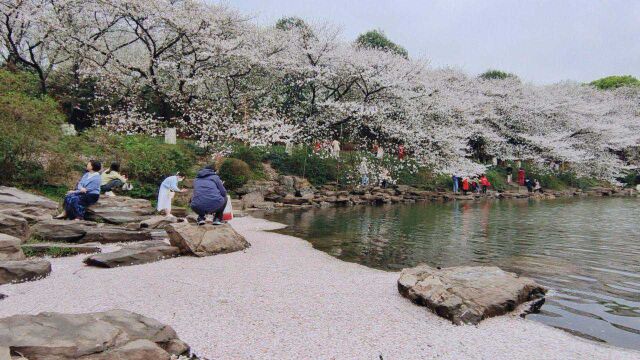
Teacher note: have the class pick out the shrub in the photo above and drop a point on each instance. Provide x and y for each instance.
(612, 82)
(303, 162)
(235, 173)
(253, 156)
(29, 124)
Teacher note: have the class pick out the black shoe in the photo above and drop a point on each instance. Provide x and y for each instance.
(201, 222)
(217, 222)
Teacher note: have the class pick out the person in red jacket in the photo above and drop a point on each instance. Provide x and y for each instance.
(465, 185)
(484, 182)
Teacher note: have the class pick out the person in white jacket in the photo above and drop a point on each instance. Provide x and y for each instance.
(167, 191)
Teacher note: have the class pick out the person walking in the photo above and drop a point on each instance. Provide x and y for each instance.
(87, 193)
(209, 196)
(454, 178)
(167, 191)
(509, 174)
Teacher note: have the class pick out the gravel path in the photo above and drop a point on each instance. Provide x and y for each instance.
(281, 299)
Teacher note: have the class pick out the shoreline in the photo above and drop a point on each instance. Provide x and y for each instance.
(283, 299)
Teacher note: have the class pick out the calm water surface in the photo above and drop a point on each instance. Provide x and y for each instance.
(586, 250)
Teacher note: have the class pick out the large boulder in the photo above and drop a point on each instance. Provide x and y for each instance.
(62, 230)
(14, 226)
(205, 240)
(134, 254)
(17, 199)
(110, 335)
(23, 270)
(10, 248)
(468, 294)
(120, 210)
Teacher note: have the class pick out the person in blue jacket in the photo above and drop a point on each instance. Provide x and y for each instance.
(209, 195)
(87, 193)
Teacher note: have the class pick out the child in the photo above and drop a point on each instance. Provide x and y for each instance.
(168, 188)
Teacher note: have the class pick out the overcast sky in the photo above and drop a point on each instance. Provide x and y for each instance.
(541, 41)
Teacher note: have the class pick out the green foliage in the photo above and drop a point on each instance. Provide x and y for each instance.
(292, 22)
(29, 124)
(145, 160)
(495, 75)
(304, 163)
(376, 39)
(149, 160)
(616, 81)
(235, 173)
(53, 251)
(22, 82)
(253, 156)
(498, 178)
(53, 192)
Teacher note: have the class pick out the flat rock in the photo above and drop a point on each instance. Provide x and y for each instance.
(10, 248)
(11, 197)
(62, 230)
(87, 232)
(157, 221)
(134, 254)
(205, 240)
(31, 214)
(468, 294)
(58, 249)
(120, 210)
(23, 270)
(113, 234)
(14, 226)
(110, 335)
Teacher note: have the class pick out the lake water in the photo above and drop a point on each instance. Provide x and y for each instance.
(586, 250)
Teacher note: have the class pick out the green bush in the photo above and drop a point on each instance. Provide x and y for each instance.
(29, 124)
(235, 173)
(498, 178)
(253, 156)
(612, 82)
(303, 162)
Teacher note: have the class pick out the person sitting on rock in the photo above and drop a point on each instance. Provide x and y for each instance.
(112, 179)
(209, 195)
(87, 193)
(167, 191)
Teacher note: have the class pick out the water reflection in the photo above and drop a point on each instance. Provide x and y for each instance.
(587, 250)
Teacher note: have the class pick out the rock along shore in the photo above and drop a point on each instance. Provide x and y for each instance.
(282, 299)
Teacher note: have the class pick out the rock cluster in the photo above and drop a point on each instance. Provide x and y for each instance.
(110, 335)
(292, 191)
(469, 294)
